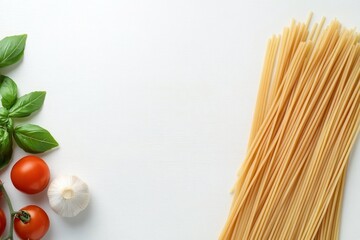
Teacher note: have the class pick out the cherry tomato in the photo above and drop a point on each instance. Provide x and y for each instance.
(30, 175)
(2, 222)
(36, 228)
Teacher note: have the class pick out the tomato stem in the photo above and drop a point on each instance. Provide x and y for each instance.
(22, 215)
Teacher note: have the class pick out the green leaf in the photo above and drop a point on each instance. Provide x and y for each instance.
(5, 148)
(27, 104)
(4, 112)
(12, 49)
(4, 116)
(8, 91)
(33, 138)
(10, 126)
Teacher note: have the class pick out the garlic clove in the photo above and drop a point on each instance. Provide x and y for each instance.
(68, 195)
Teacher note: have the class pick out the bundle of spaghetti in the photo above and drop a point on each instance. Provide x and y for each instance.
(307, 116)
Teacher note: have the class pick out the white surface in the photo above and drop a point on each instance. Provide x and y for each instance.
(151, 102)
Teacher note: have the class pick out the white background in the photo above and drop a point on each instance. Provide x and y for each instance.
(151, 102)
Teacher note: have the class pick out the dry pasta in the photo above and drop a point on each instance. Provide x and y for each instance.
(307, 115)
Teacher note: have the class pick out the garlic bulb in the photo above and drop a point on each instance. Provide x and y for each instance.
(68, 195)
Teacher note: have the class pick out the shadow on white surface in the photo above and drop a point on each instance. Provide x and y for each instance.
(8, 70)
(39, 199)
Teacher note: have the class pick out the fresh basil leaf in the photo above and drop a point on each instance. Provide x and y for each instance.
(4, 113)
(5, 148)
(3, 121)
(33, 138)
(27, 104)
(12, 49)
(10, 126)
(8, 91)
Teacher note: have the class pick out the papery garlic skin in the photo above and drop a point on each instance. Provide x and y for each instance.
(68, 195)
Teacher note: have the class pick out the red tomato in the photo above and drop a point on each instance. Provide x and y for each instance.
(2, 222)
(30, 175)
(36, 228)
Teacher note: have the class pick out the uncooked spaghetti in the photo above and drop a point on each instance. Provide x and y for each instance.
(307, 115)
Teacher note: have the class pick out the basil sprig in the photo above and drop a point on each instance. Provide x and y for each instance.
(8, 91)
(5, 147)
(12, 49)
(31, 138)
(27, 104)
